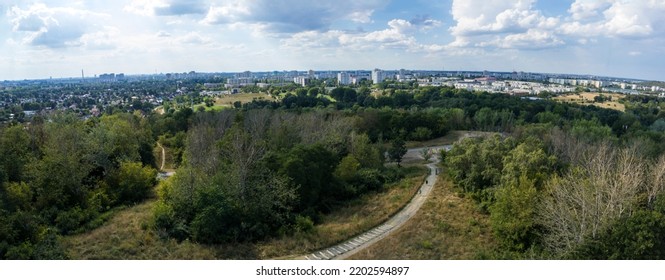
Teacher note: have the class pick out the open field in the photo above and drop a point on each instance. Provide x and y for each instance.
(448, 139)
(125, 236)
(212, 108)
(448, 226)
(227, 100)
(128, 235)
(586, 98)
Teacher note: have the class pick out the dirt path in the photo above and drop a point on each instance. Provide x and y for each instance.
(353, 245)
(163, 155)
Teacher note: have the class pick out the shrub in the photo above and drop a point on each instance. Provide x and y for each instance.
(303, 224)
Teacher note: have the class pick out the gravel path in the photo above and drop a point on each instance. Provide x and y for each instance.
(353, 245)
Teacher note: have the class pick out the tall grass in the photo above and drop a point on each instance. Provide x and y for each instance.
(128, 235)
(446, 227)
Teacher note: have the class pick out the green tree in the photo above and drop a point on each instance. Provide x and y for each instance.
(397, 150)
(426, 154)
(15, 153)
(18, 196)
(421, 134)
(476, 164)
(638, 237)
(58, 178)
(368, 154)
(311, 171)
(513, 214)
(313, 92)
(132, 182)
(114, 139)
(347, 170)
(591, 130)
(486, 119)
(529, 160)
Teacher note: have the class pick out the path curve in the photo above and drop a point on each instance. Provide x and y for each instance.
(163, 155)
(349, 247)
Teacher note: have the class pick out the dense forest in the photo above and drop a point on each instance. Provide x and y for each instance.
(558, 180)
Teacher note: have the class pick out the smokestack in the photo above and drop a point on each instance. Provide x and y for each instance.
(82, 76)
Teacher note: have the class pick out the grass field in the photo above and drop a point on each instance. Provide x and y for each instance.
(586, 98)
(211, 108)
(448, 139)
(128, 236)
(227, 100)
(448, 226)
(125, 237)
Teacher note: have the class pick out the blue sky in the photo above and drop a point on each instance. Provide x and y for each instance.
(40, 39)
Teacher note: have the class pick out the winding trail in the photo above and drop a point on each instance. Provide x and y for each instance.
(355, 244)
(163, 155)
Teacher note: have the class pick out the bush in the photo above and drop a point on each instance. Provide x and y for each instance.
(167, 224)
(132, 182)
(214, 224)
(370, 179)
(639, 237)
(421, 134)
(69, 221)
(303, 224)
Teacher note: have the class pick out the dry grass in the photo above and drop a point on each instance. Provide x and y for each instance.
(586, 98)
(128, 236)
(449, 139)
(446, 227)
(125, 237)
(357, 217)
(227, 100)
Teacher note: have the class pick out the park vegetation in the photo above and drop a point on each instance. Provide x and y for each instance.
(556, 180)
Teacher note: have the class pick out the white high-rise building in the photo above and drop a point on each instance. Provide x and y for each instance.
(302, 80)
(378, 76)
(344, 78)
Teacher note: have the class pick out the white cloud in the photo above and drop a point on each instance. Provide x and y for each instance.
(167, 7)
(504, 24)
(163, 34)
(627, 19)
(398, 35)
(226, 14)
(54, 27)
(182, 7)
(291, 16)
(363, 16)
(588, 10)
(478, 17)
(104, 39)
(532, 39)
(144, 7)
(517, 24)
(194, 39)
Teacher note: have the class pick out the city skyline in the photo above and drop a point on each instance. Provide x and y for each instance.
(59, 38)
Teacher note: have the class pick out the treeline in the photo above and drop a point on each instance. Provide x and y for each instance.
(247, 175)
(272, 168)
(484, 111)
(565, 193)
(61, 176)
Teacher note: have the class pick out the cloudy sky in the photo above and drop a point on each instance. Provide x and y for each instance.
(58, 38)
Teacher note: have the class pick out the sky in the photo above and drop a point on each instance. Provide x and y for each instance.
(58, 38)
